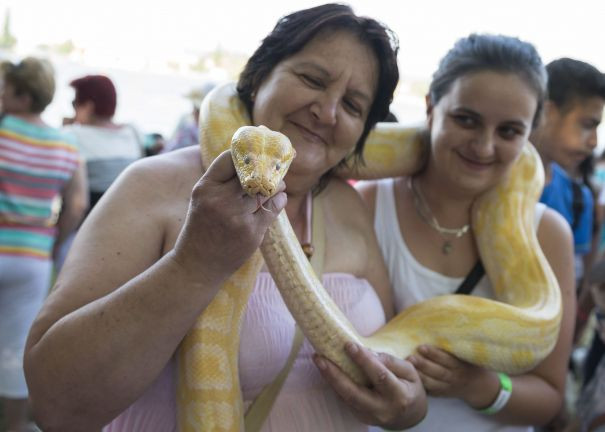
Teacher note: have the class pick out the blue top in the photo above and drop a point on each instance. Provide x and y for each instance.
(558, 195)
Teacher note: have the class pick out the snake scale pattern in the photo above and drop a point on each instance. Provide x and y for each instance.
(511, 334)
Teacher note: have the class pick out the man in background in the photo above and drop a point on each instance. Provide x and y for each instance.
(187, 130)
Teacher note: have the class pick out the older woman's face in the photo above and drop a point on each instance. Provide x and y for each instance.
(320, 98)
(479, 127)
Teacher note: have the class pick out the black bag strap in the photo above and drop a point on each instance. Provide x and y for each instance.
(469, 283)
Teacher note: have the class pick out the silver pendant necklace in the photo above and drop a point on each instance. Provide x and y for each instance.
(425, 213)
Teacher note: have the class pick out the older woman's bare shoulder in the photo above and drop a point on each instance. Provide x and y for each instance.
(345, 201)
(167, 166)
(168, 172)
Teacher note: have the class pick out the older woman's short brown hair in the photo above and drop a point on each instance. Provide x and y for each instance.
(32, 76)
(294, 31)
(291, 34)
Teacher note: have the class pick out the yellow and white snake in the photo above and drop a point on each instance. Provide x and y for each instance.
(512, 334)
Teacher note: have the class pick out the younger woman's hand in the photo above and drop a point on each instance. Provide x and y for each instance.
(445, 375)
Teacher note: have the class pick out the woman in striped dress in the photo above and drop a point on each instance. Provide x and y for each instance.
(43, 196)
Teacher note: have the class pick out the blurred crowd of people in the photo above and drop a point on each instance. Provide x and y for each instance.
(51, 176)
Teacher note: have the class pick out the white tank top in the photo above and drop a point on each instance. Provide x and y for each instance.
(412, 283)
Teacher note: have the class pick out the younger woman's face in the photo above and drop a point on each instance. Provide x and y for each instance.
(479, 127)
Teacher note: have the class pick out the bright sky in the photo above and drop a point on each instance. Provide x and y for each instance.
(426, 28)
(122, 37)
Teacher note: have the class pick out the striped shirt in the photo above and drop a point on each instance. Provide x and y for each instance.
(35, 164)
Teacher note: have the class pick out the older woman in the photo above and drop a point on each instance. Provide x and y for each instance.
(153, 254)
(483, 102)
(40, 168)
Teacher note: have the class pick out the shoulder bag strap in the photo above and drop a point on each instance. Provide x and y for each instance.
(259, 410)
(471, 280)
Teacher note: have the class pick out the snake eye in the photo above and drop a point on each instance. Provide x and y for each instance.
(277, 166)
(247, 160)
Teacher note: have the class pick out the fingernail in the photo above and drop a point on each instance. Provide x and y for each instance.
(321, 364)
(352, 348)
(423, 349)
(412, 359)
(281, 199)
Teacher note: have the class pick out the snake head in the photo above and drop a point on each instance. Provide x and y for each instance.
(261, 158)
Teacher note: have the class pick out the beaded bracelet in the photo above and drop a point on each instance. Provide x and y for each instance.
(506, 389)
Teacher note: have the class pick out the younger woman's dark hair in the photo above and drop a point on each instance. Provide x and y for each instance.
(294, 31)
(484, 52)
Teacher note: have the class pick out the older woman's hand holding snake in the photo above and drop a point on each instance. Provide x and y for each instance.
(395, 388)
(223, 224)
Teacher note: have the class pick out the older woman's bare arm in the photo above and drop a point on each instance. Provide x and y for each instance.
(126, 297)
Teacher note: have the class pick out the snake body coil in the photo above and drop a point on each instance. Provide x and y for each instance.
(512, 334)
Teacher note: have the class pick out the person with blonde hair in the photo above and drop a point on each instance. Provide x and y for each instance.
(43, 196)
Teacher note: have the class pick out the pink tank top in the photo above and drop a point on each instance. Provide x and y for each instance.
(305, 403)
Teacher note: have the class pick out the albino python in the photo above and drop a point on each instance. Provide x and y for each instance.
(512, 334)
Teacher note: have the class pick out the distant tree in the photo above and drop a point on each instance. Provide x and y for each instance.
(201, 64)
(218, 56)
(7, 40)
(65, 48)
(231, 62)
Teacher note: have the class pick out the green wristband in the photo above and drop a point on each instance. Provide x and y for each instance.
(506, 389)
